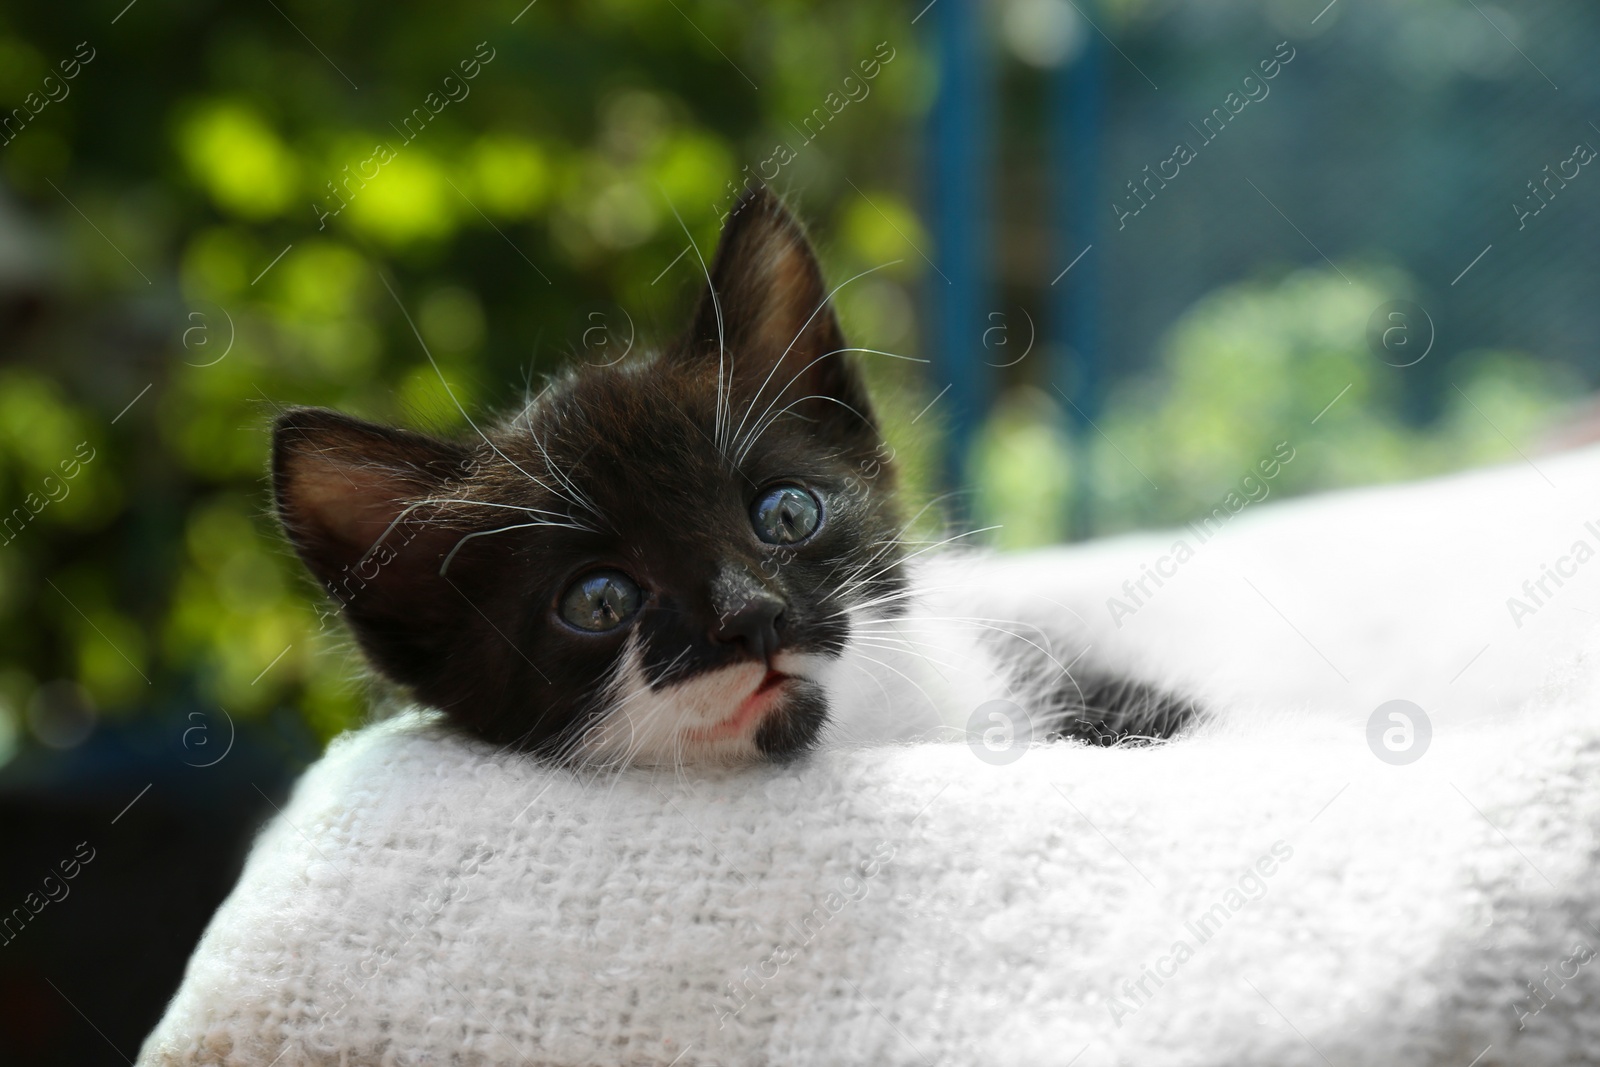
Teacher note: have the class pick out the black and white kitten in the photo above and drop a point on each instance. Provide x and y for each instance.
(695, 557)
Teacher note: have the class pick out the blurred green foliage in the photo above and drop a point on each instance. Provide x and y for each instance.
(1254, 364)
(173, 269)
(178, 230)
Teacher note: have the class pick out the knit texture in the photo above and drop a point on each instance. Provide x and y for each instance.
(1269, 893)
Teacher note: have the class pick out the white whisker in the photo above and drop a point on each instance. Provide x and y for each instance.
(798, 334)
(493, 504)
(788, 407)
(445, 566)
(451, 392)
(723, 376)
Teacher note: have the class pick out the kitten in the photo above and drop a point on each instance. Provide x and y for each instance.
(693, 558)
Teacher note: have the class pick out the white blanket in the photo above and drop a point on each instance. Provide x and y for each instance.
(1270, 892)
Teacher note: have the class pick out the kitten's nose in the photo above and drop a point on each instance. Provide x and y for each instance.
(756, 621)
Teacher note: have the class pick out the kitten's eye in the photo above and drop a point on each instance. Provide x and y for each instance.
(600, 601)
(786, 515)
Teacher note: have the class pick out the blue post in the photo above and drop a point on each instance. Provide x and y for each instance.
(1077, 136)
(959, 290)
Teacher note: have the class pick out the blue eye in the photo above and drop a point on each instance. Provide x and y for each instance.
(786, 515)
(600, 601)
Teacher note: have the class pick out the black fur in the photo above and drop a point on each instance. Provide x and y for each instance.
(1105, 710)
(448, 559)
(649, 468)
(1088, 704)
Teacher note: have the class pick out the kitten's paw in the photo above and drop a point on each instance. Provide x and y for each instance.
(1105, 710)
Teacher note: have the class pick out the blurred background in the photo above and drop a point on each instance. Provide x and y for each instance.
(1139, 243)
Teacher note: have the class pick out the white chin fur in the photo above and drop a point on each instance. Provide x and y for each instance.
(919, 677)
(665, 726)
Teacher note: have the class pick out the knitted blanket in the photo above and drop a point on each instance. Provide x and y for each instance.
(1313, 882)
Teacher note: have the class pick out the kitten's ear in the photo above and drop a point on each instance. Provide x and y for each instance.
(344, 491)
(340, 483)
(767, 314)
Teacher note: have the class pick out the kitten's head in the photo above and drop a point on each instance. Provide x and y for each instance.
(653, 562)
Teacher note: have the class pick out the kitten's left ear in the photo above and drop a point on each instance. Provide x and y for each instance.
(347, 493)
(767, 314)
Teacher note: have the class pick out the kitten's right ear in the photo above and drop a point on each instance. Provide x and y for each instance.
(767, 306)
(341, 484)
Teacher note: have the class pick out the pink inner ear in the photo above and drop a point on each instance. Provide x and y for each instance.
(791, 295)
(352, 505)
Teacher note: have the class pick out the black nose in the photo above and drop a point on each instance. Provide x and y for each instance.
(756, 621)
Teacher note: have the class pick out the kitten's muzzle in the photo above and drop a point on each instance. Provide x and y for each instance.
(755, 621)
